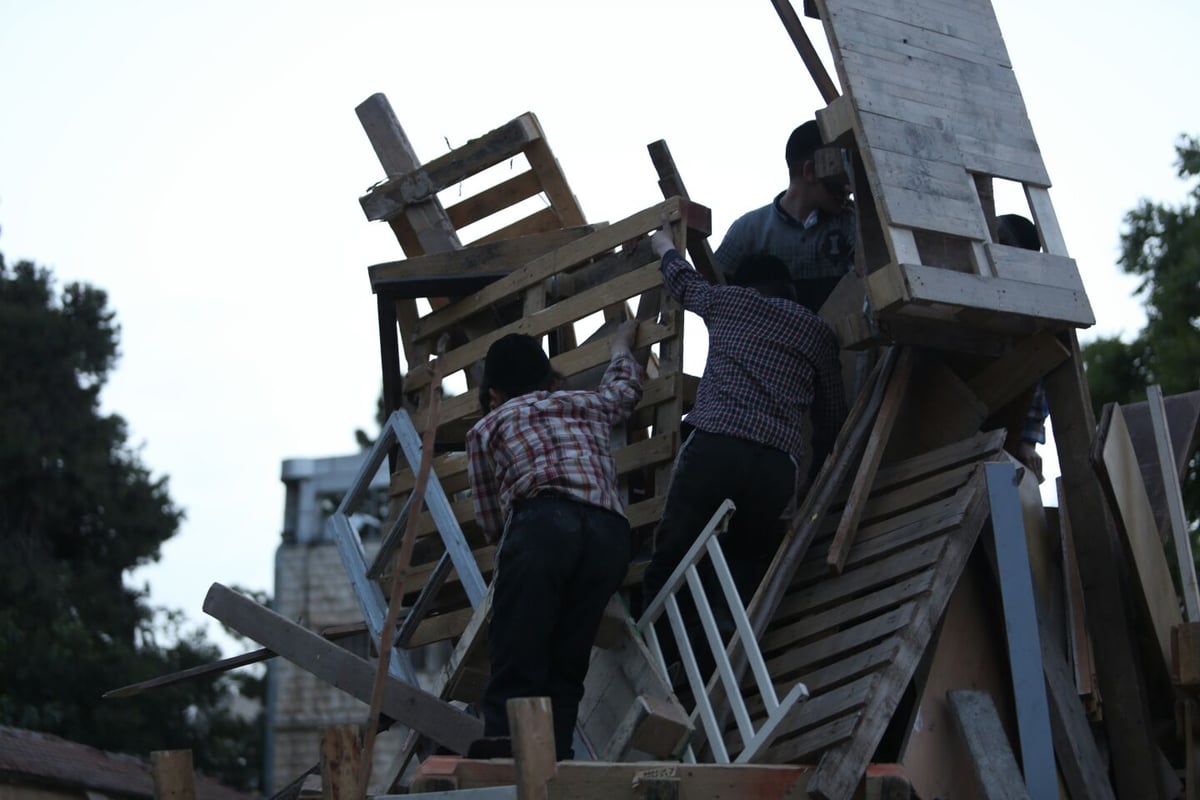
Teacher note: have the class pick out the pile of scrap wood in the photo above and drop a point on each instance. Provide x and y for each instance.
(943, 621)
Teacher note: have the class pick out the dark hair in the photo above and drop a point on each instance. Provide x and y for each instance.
(801, 145)
(1017, 231)
(515, 364)
(766, 273)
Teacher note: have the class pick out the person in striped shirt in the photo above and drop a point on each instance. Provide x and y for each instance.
(544, 484)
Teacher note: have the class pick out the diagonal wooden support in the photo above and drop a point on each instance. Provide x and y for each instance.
(889, 410)
(996, 773)
(407, 704)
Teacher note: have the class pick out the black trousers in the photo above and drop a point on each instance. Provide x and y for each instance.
(711, 467)
(559, 563)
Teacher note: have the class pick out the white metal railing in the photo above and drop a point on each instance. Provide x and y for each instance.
(687, 572)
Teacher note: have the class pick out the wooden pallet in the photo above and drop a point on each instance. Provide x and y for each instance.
(932, 106)
(855, 639)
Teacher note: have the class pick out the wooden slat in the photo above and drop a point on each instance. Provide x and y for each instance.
(466, 269)
(974, 448)
(1117, 466)
(898, 284)
(540, 221)
(494, 199)
(1180, 530)
(554, 262)
(1006, 378)
(889, 409)
(416, 708)
(418, 184)
(1122, 683)
(996, 772)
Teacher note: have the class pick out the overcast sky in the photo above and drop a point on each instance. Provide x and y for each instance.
(202, 163)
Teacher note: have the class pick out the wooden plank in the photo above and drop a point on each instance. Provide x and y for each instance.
(1007, 377)
(1030, 266)
(879, 601)
(554, 182)
(844, 642)
(418, 184)
(996, 772)
(467, 269)
(897, 285)
(808, 53)
(889, 409)
(1116, 464)
(1180, 530)
(495, 199)
(541, 221)
(971, 449)
(542, 322)
(1122, 683)
(841, 767)
(532, 724)
(341, 756)
(1183, 422)
(1011, 554)
(414, 707)
(671, 184)
(1078, 641)
(619, 678)
(810, 743)
(596, 780)
(173, 775)
(556, 261)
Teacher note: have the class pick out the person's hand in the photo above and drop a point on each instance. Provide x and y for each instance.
(622, 342)
(1028, 455)
(661, 240)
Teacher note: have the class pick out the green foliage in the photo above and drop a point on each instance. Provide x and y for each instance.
(1160, 243)
(78, 510)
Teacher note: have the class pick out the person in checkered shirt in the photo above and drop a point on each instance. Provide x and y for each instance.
(544, 483)
(770, 362)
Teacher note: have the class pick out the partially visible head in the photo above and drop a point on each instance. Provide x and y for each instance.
(766, 274)
(827, 195)
(1017, 231)
(515, 365)
(801, 145)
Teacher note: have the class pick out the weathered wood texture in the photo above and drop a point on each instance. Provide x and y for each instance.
(996, 771)
(934, 106)
(174, 776)
(414, 707)
(855, 639)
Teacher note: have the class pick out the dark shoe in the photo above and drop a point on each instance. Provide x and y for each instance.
(491, 747)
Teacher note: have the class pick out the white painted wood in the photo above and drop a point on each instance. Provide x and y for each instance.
(1047, 222)
(400, 424)
(1174, 496)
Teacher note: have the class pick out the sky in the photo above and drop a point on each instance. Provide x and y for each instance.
(202, 163)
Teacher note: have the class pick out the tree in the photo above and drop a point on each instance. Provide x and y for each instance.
(1160, 243)
(78, 509)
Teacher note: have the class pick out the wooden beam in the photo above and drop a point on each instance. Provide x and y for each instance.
(469, 269)
(414, 707)
(996, 773)
(174, 777)
(341, 755)
(1116, 464)
(808, 53)
(671, 184)
(881, 431)
(531, 721)
(1013, 373)
(1180, 530)
(1122, 684)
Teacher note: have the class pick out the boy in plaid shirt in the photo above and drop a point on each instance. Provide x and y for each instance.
(544, 483)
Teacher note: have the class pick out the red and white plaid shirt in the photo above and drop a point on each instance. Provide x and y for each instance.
(550, 442)
(770, 361)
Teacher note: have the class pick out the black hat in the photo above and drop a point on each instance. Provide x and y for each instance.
(515, 364)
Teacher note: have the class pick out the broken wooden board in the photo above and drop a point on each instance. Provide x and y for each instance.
(1117, 466)
(407, 704)
(628, 710)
